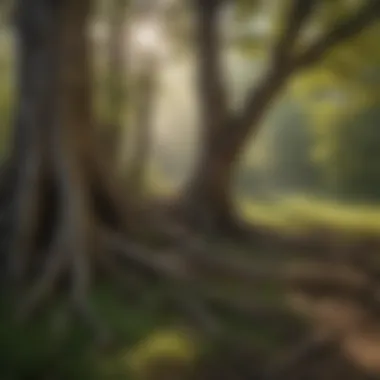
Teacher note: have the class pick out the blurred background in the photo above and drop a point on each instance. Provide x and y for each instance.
(307, 179)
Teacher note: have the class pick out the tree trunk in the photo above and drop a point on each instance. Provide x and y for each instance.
(209, 195)
(208, 199)
(66, 200)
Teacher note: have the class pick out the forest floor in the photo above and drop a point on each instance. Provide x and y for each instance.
(287, 303)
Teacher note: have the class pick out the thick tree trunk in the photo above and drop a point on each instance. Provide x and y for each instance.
(37, 75)
(66, 201)
(206, 201)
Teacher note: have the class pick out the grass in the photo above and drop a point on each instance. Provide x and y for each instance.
(300, 214)
(45, 346)
(37, 349)
(40, 347)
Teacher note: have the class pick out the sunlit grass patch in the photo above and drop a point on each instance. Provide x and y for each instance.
(167, 352)
(306, 213)
(342, 217)
(269, 214)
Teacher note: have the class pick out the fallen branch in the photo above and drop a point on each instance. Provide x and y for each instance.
(150, 261)
(255, 310)
(122, 278)
(251, 271)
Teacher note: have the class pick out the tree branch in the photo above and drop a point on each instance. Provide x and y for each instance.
(348, 28)
(282, 54)
(298, 15)
(280, 68)
(246, 122)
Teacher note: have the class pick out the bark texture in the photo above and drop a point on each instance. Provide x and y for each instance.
(65, 200)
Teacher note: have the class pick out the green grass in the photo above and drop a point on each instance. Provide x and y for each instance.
(299, 214)
(36, 348)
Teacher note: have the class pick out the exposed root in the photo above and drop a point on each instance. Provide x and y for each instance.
(45, 285)
(199, 313)
(81, 284)
(90, 241)
(149, 261)
(27, 215)
(196, 308)
(288, 363)
(127, 281)
(256, 311)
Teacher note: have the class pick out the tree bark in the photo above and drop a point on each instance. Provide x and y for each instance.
(210, 192)
(206, 194)
(65, 198)
(208, 199)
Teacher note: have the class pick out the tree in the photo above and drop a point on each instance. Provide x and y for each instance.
(71, 221)
(207, 198)
(66, 203)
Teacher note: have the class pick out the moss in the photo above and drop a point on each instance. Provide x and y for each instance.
(164, 354)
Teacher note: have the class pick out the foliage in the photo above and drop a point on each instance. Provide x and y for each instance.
(263, 22)
(343, 116)
(281, 158)
(355, 160)
(289, 145)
